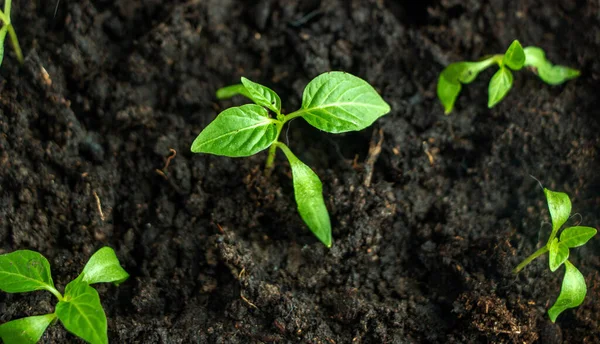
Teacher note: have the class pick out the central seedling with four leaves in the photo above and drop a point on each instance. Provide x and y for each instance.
(79, 309)
(515, 58)
(573, 288)
(335, 102)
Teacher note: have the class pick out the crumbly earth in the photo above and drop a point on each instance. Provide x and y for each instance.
(425, 234)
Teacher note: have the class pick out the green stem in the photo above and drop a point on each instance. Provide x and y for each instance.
(55, 292)
(552, 236)
(270, 159)
(4, 18)
(15, 43)
(293, 115)
(530, 259)
(272, 149)
(7, 4)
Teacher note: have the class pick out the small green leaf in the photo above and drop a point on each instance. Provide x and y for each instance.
(499, 86)
(23, 271)
(576, 236)
(572, 292)
(514, 56)
(263, 95)
(3, 32)
(104, 266)
(549, 73)
(26, 330)
(470, 70)
(559, 205)
(559, 253)
(455, 74)
(338, 102)
(237, 132)
(81, 312)
(448, 86)
(308, 191)
(233, 90)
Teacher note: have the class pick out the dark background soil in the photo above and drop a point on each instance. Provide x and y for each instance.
(217, 252)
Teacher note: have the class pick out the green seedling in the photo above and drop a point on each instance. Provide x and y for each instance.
(7, 28)
(334, 102)
(573, 288)
(515, 58)
(79, 309)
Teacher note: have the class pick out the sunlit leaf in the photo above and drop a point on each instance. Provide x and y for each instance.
(514, 56)
(572, 292)
(104, 266)
(338, 102)
(499, 86)
(238, 132)
(25, 330)
(263, 95)
(549, 73)
(308, 191)
(559, 205)
(559, 253)
(81, 312)
(23, 271)
(576, 236)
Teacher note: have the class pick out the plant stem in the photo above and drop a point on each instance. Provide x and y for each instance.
(55, 292)
(4, 18)
(7, 5)
(530, 259)
(15, 43)
(270, 159)
(293, 115)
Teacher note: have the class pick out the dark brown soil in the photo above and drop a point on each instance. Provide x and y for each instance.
(217, 252)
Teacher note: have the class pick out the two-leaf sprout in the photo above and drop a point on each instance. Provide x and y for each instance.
(452, 77)
(79, 309)
(573, 290)
(7, 28)
(335, 102)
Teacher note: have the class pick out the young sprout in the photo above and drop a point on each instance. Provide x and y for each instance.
(335, 102)
(452, 77)
(79, 309)
(573, 288)
(7, 27)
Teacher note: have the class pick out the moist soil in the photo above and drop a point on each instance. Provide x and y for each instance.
(430, 212)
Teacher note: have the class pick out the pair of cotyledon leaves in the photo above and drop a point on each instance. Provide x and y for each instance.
(79, 310)
(515, 58)
(573, 288)
(334, 102)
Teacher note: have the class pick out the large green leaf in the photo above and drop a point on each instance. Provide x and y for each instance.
(499, 86)
(81, 312)
(549, 73)
(558, 254)
(572, 292)
(263, 95)
(237, 132)
(514, 56)
(103, 266)
(26, 330)
(338, 102)
(559, 205)
(308, 192)
(23, 271)
(576, 236)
